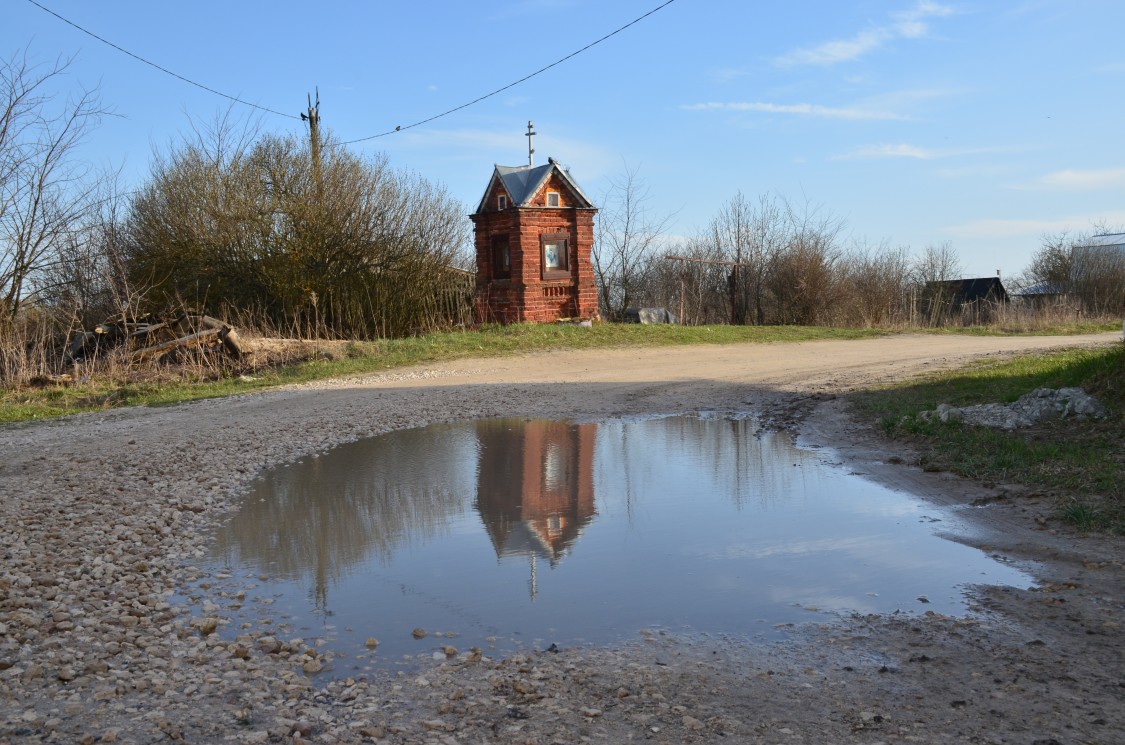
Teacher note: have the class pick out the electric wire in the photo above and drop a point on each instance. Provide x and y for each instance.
(158, 67)
(511, 85)
(400, 128)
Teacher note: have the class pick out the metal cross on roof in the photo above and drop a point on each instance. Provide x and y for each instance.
(530, 150)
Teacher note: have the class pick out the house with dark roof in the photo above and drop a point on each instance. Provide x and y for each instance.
(971, 298)
(534, 234)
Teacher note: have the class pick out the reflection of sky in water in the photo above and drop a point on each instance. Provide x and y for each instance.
(539, 532)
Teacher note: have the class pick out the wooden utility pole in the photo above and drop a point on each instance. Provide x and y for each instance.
(313, 118)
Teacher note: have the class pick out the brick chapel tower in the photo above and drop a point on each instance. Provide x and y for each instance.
(534, 232)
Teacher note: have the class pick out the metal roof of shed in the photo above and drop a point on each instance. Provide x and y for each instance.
(1040, 288)
(1105, 239)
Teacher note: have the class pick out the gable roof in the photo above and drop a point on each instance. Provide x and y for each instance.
(970, 290)
(523, 182)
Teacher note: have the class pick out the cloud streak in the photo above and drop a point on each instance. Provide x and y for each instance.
(800, 109)
(1009, 228)
(1080, 180)
(910, 24)
(904, 150)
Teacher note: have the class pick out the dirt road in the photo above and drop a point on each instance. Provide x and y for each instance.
(102, 515)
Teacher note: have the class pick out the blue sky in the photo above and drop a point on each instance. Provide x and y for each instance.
(984, 124)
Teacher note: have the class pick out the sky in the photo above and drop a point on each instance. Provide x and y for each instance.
(982, 124)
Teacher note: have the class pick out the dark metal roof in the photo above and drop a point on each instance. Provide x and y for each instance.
(970, 290)
(523, 182)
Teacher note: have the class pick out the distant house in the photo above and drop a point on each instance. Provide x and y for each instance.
(1040, 293)
(971, 299)
(1098, 256)
(1109, 241)
(1093, 277)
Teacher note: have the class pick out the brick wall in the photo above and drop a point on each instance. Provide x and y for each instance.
(526, 295)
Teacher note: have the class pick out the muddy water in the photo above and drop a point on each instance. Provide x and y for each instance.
(510, 533)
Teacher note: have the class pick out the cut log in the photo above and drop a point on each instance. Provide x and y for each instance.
(232, 343)
(227, 335)
(160, 350)
(145, 330)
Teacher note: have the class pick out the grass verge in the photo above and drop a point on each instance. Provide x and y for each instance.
(1082, 464)
(158, 386)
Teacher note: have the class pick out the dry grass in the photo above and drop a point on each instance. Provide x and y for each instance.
(37, 381)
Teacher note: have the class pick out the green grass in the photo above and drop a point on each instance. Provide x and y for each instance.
(356, 358)
(1082, 463)
(1060, 329)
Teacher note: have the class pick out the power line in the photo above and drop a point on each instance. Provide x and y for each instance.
(509, 85)
(158, 67)
(427, 120)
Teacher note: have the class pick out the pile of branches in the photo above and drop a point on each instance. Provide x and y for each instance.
(156, 337)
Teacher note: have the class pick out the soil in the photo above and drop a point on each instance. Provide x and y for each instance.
(102, 515)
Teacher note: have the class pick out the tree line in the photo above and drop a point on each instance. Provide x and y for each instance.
(304, 236)
(760, 261)
(295, 231)
(769, 261)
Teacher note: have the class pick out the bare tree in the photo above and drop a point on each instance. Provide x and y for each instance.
(936, 264)
(875, 284)
(1052, 263)
(933, 299)
(1085, 267)
(86, 281)
(628, 234)
(44, 190)
(729, 238)
(333, 244)
(804, 284)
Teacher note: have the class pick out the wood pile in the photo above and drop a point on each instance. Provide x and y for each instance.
(154, 337)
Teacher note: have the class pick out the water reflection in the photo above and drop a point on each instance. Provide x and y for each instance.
(535, 487)
(316, 520)
(584, 532)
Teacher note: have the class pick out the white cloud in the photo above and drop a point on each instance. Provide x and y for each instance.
(904, 150)
(799, 109)
(1020, 227)
(909, 24)
(1075, 180)
(833, 52)
(901, 150)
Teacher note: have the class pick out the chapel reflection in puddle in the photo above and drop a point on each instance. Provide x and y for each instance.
(530, 482)
(538, 531)
(535, 487)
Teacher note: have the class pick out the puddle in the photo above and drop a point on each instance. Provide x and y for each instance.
(513, 533)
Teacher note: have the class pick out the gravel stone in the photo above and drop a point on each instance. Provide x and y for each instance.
(111, 632)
